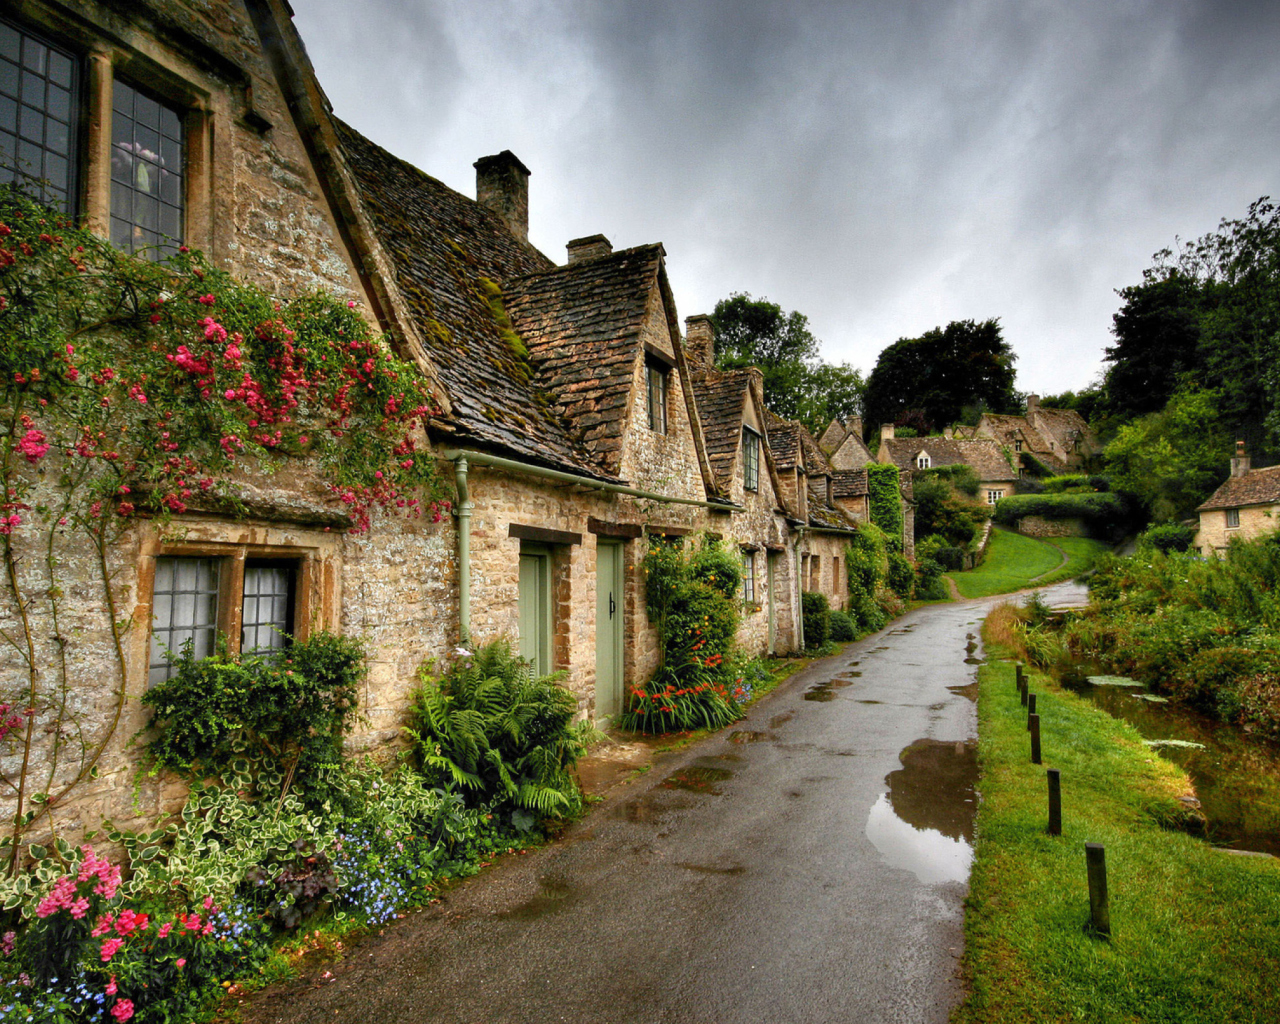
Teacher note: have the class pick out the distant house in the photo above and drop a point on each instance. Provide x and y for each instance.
(996, 477)
(1245, 507)
(842, 444)
(1058, 439)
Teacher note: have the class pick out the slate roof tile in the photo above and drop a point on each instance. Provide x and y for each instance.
(721, 396)
(1257, 487)
(983, 455)
(452, 257)
(850, 483)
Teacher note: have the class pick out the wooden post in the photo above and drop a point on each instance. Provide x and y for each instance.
(1034, 721)
(1017, 675)
(1055, 802)
(1031, 708)
(1023, 691)
(1099, 904)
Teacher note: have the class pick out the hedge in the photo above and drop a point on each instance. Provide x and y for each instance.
(1096, 509)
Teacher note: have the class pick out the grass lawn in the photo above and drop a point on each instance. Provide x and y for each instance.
(1195, 931)
(1015, 562)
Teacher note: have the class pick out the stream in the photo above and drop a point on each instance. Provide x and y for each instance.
(1236, 775)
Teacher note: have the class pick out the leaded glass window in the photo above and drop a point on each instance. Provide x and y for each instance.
(657, 389)
(147, 173)
(750, 459)
(266, 614)
(749, 576)
(184, 609)
(38, 105)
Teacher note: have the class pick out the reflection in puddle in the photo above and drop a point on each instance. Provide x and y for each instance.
(697, 779)
(973, 661)
(924, 823)
(712, 869)
(969, 692)
(821, 692)
(749, 736)
(778, 720)
(554, 896)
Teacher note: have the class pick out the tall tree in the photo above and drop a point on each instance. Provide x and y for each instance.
(797, 383)
(942, 372)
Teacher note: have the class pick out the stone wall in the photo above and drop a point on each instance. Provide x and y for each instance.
(1255, 520)
(1038, 526)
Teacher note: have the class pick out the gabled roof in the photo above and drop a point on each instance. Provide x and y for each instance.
(833, 435)
(824, 516)
(451, 257)
(1065, 425)
(722, 399)
(582, 325)
(1007, 430)
(815, 459)
(784, 439)
(850, 483)
(1257, 487)
(983, 456)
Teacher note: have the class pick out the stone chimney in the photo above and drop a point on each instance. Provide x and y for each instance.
(886, 431)
(700, 340)
(502, 185)
(1240, 462)
(1033, 404)
(588, 247)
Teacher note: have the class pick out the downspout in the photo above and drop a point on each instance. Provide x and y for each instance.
(799, 591)
(465, 506)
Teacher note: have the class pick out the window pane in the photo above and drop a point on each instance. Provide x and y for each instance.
(147, 167)
(268, 590)
(43, 78)
(184, 606)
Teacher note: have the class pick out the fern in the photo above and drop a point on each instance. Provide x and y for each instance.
(505, 738)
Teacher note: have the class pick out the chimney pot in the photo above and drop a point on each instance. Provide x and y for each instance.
(1240, 463)
(886, 431)
(700, 340)
(588, 247)
(1033, 404)
(502, 186)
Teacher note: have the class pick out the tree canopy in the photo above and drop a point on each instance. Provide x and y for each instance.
(798, 384)
(929, 381)
(1208, 312)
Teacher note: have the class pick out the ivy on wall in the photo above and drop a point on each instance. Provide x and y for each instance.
(885, 500)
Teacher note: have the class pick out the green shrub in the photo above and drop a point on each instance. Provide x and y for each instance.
(292, 709)
(1168, 537)
(1065, 482)
(500, 735)
(842, 628)
(867, 614)
(950, 558)
(900, 575)
(718, 568)
(961, 477)
(929, 583)
(817, 619)
(684, 694)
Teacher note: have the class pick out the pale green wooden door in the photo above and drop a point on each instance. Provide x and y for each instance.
(535, 609)
(609, 628)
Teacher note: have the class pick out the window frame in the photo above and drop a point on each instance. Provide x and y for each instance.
(656, 400)
(750, 459)
(231, 560)
(924, 462)
(166, 244)
(994, 495)
(1232, 517)
(749, 576)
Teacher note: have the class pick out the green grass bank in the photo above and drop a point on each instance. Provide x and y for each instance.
(1195, 931)
(1015, 562)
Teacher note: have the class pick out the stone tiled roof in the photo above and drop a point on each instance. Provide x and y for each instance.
(1009, 429)
(1257, 487)
(784, 439)
(982, 455)
(815, 459)
(833, 435)
(850, 483)
(722, 397)
(582, 326)
(824, 516)
(451, 258)
(1066, 425)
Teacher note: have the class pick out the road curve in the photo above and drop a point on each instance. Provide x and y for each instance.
(808, 865)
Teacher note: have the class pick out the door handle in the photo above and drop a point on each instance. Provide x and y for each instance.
(612, 605)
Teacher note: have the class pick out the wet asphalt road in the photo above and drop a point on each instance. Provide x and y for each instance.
(808, 865)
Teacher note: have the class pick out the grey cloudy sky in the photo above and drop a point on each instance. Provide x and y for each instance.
(883, 167)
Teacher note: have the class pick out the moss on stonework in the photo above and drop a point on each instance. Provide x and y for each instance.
(493, 296)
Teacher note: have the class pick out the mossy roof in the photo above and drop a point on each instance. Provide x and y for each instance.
(583, 324)
(983, 456)
(722, 400)
(1257, 487)
(850, 483)
(453, 260)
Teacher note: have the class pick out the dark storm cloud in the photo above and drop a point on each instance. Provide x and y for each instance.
(881, 167)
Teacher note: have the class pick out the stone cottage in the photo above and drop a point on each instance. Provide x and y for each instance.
(1044, 442)
(996, 476)
(843, 445)
(570, 416)
(1246, 506)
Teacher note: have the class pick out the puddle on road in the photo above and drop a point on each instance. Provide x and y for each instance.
(969, 692)
(870, 702)
(924, 823)
(712, 869)
(650, 807)
(749, 736)
(973, 661)
(821, 692)
(555, 895)
(778, 720)
(697, 778)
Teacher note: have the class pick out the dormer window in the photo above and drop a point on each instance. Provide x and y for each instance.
(923, 461)
(1017, 446)
(656, 375)
(750, 459)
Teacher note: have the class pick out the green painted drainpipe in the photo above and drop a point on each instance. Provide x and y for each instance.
(460, 460)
